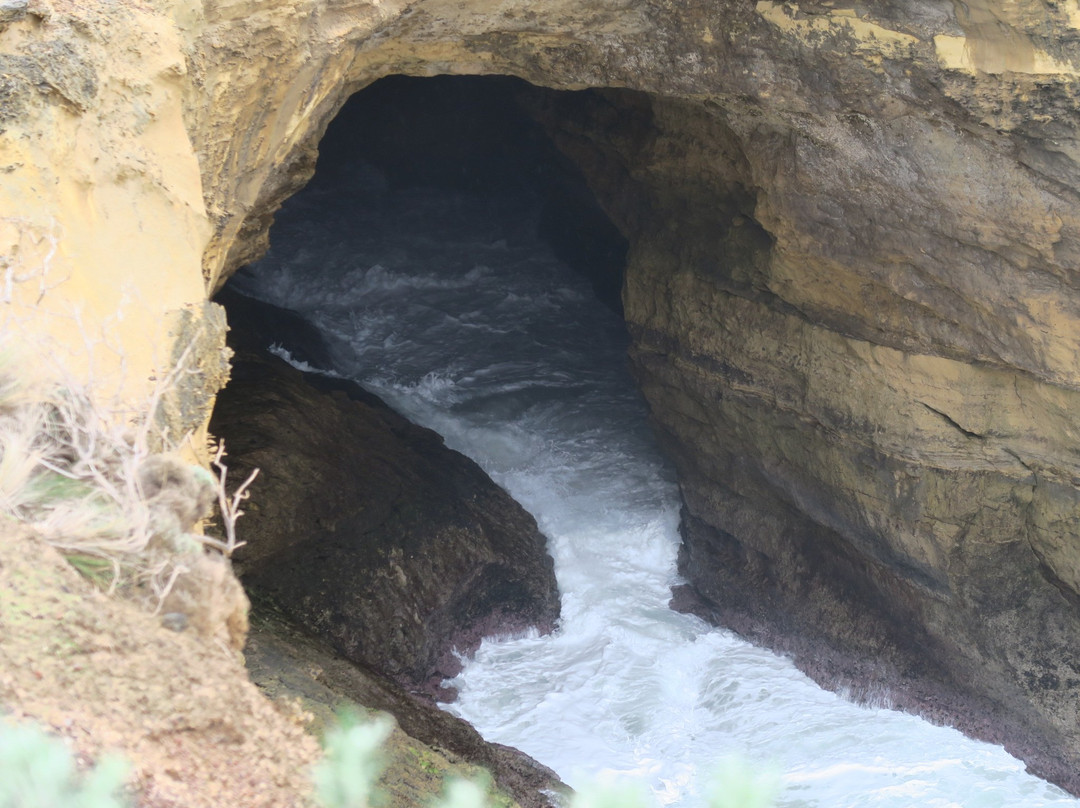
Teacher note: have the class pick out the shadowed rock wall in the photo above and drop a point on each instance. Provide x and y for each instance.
(877, 457)
(852, 294)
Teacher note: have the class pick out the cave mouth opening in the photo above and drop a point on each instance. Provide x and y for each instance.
(478, 136)
(505, 350)
(447, 253)
(475, 135)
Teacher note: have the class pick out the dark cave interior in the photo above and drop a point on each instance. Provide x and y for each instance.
(475, 134)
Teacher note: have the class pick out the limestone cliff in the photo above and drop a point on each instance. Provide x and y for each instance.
(852, 274)
(102, 220)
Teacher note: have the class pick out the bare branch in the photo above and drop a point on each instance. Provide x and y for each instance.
(230, 507)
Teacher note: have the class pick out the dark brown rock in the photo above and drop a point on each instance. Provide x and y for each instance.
(365, 529)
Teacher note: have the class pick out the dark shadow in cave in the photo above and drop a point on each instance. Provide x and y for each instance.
(473, 134)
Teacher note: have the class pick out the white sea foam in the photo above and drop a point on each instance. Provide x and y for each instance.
(487, 339)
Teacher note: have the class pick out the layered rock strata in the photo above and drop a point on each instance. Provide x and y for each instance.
(364, 528)
(871, 420)
(852, 275)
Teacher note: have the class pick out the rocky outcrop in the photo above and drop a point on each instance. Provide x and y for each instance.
(364, 527)
(102, 221)
(851, 281)
(878, 465)
(429, 746)
(873, 436)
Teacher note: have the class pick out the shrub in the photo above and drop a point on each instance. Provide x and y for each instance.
(106, 487)
(737, 785)
(348, 778)
(37, 771)
(347, 775)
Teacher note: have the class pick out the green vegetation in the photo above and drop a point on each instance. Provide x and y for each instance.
(348, 778)
(37, 771)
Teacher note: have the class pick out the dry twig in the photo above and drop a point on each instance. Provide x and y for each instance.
(230, 506)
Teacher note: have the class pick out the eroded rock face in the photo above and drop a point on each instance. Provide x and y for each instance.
(852, 276)
(878, 471)
(429, 745)
(364, 528)
(102, 222)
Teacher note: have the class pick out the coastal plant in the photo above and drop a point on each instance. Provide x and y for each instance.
(37, 771)
(348, 776)
(353, 760)
(105, 486)
(461, 793)
(737, 785)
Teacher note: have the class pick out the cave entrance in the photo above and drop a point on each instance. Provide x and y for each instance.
(375, 555)
(709, 303)
(423, 266)
(450, 259)
(479, 135)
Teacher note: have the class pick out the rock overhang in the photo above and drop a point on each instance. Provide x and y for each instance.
(851, 274)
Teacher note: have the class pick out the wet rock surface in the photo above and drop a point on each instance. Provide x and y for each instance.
(890, 550)
(888, 495)
(365, 529)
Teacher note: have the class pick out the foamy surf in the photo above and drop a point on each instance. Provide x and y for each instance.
(441, 305)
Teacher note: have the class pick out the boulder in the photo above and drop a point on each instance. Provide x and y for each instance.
(366, 530)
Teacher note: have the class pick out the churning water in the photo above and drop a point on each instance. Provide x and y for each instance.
(448, 307)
